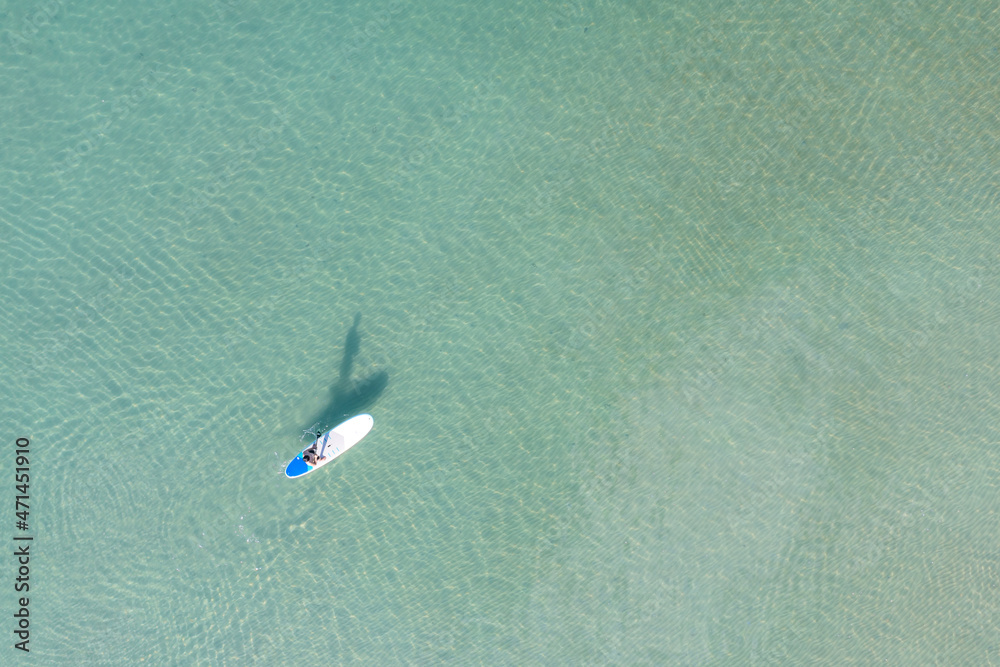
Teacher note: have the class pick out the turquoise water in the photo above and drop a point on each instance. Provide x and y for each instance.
(689, 316)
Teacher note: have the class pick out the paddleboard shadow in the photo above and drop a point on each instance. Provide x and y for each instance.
(350, 397)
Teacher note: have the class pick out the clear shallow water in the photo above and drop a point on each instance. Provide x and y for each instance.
(688, 313)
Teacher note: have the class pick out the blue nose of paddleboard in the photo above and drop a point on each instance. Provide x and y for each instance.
(296, 467)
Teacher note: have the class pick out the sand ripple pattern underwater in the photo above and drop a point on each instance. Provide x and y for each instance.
(678, 323)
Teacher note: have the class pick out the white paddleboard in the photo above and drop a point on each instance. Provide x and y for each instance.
(332, 444)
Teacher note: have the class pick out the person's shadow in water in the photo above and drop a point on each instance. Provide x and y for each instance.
(348, 397)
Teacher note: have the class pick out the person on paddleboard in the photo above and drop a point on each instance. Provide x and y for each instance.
(310, 457)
